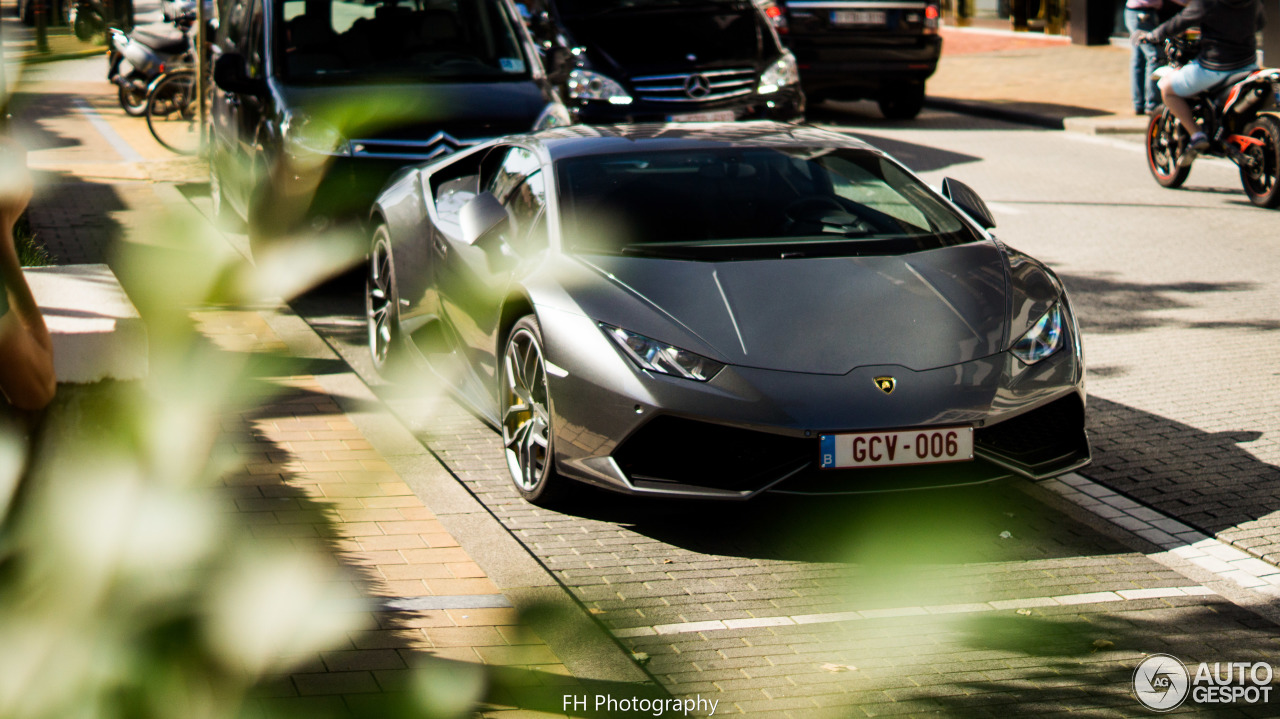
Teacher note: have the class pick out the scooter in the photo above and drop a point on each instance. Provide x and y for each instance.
(139, 57)
(1236, 115)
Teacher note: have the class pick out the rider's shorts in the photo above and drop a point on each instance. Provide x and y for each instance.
(1191, 79)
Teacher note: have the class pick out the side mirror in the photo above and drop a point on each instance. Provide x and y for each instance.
(229, 76)
(481, 216)
(966, 199)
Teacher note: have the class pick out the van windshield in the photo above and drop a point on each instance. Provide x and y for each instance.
(396, 40)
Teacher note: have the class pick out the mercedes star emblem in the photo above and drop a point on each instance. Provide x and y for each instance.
(697, 87)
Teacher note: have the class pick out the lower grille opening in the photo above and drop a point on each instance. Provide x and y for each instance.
(1039, 443)
(676, 451)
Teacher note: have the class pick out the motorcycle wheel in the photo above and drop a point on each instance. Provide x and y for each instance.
(133, 101)
(1262, 181)
(1165, 141)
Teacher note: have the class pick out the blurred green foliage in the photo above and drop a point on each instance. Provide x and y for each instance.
(127, 588)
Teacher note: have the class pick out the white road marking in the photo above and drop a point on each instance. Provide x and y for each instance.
(1064, 600)
(1169, 534)
(124, 149)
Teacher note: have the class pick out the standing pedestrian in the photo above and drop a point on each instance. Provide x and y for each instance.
(1144, 16)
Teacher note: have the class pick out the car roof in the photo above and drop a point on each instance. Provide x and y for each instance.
(580, 140)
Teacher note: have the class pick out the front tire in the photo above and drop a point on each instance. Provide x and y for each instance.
(525, 406)
(1260, 182)
(1166, 141)
(902, 103)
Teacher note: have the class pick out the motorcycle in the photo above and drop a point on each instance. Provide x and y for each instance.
(139, 57)
(1236, 115)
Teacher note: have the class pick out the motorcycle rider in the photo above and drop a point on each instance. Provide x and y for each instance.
(1227, 46)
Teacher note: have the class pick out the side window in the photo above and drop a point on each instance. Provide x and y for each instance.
(514, 176)
(517, 164)
(526, 204)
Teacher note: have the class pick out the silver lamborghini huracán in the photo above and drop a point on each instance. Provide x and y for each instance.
(723, 310)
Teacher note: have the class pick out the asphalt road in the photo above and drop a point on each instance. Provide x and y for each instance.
(997, 599)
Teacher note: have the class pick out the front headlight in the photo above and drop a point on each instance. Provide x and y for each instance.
(588, 85)
(308, 137)
(780, 74)
(657, 356)
(1043, 339)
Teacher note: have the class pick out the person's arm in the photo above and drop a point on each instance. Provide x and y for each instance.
(27, 378)
(1189, 17)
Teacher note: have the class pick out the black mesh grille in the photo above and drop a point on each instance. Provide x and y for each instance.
(1041, 441)
(684, 451)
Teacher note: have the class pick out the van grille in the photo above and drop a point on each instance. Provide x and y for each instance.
(708, 86)
(442, 143)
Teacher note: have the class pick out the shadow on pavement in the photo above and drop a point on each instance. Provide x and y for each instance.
(1066, 661)
(1205, 479)
(1107, 305)
(933, 527)
(70, 217)
(919, 158)
(866, 115)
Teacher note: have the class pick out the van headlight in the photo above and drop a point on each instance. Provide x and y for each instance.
(310, 139)
(588, 85)
(780, 74)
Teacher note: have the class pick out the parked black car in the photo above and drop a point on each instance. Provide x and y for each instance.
(668, 60)
(319, 101)
(882, 50)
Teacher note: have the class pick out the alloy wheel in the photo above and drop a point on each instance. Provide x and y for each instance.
(526, 418)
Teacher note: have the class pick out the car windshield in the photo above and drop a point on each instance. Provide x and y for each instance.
(744, 203)
(436, 40)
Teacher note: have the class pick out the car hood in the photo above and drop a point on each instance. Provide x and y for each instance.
(821, 315)
(479, 109)
(673, 39)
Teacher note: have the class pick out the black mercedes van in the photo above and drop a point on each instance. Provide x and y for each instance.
(667, 60)
(318, 102)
